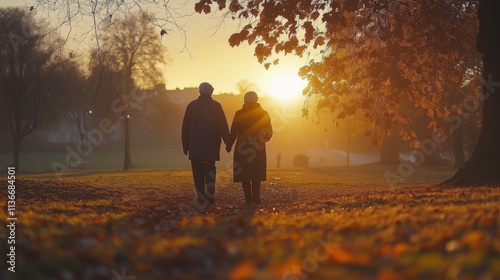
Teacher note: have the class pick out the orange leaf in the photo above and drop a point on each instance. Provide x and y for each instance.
(320, 40)
(473, 240)
(401, 248)
(142, 266)
(387, 275)
(243, 271)
(340, 255)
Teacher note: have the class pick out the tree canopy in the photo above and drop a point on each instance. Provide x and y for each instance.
(132, 47)
(130, 56)
(394, 60)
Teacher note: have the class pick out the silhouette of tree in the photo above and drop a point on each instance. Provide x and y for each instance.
(133, 51)
(28, 58)
(245, 86)
(69, 80)
(97, 16)
(484, 164)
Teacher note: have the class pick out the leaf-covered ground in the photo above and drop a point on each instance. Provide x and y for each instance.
(337, 223)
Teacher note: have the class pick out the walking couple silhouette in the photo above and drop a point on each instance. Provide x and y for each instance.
(204, 127)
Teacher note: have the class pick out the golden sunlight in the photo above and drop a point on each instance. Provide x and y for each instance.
(286, 86)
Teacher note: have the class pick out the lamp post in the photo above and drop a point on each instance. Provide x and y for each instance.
(127, 161)
(86, 124)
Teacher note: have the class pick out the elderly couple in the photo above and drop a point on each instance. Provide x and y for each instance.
(204, 126)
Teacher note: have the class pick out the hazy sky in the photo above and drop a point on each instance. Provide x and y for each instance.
(210, 58)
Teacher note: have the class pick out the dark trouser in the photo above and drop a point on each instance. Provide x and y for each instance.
(204, 179)
(252, 191)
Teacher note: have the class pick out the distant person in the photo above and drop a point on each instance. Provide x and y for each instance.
(251, 128)
(203, 126)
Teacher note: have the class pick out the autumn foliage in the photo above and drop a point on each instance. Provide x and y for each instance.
(319, 224)
(393, 60)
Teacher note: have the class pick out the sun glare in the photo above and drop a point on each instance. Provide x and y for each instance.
(286, 86)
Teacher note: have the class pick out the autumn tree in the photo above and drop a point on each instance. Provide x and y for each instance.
(394, 60)
(28, 58)
(132, 50)
(391, 73)
(484, 165)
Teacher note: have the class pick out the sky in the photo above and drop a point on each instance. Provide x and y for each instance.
(209, 57)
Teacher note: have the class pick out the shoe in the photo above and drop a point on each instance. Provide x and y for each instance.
(247, 190)
(256, 192)
(201, 204)
(246, 205)
(200, 201)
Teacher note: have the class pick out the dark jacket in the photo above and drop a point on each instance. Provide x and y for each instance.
(203, 127)
(252, 129)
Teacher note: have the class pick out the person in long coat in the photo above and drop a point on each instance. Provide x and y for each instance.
(251, 128)
(203, 126)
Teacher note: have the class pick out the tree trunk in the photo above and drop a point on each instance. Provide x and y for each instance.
(389, 151)
(16, 152)
(484, 165)
(127, 161)
(458, 146)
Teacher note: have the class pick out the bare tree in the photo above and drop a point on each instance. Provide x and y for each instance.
(133, 51)
(245, 86)
(27, 60)
(97, 16)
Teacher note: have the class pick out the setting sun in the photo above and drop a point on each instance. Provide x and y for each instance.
(286, 86)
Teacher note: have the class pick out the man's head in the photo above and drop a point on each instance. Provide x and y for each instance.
(206, 89)
(251, 97)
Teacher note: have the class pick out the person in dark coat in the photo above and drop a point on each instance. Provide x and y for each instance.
(251, 128)
(203, 126)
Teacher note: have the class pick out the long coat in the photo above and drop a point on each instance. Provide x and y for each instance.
(251, 128)
(203, 126)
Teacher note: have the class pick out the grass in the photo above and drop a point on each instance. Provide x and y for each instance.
(153, 158)
(327, 223)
